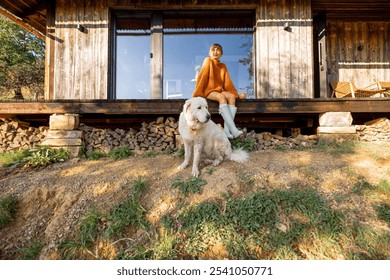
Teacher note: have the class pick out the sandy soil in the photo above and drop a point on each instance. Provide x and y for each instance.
(54, 199)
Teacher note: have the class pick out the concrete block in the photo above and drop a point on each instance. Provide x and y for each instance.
(336, 119)
(336, 130)
(64, 122)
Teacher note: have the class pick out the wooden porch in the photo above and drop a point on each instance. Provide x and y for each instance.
(256, 114)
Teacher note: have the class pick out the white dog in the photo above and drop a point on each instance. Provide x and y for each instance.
(203, 139)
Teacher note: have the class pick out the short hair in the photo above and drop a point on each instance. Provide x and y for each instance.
(215, 45)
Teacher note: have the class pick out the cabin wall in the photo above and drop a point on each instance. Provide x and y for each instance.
(284, 56)
(358, 51)
(80, 57)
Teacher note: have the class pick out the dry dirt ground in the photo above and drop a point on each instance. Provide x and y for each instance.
(52, 200)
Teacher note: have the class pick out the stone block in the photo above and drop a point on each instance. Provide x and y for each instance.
(62, 142)
(340, 138)
(336, 130)
(64, 134)
(336, 119)
(64, 122)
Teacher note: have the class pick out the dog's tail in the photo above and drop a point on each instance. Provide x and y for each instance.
(239, 155)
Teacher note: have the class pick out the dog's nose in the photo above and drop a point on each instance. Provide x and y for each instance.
(208, 116)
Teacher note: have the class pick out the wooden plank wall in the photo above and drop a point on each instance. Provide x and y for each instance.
(284, 57)
(358, 51)
(81, 57)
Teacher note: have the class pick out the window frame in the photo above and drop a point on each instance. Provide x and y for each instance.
(156, 44)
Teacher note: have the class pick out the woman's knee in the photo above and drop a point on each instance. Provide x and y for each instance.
(216, 96)
(230, 97)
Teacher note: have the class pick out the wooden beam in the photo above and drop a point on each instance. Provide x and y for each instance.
(22, 24)
(174, 107)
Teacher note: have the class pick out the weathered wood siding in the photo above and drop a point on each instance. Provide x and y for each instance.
(80, 69)
(358, 51)
(284, 58)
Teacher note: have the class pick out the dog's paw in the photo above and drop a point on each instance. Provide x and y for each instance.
(195, 172)
(216, 162)
(182, 166)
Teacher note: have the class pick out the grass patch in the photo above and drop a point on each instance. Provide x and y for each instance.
(362, 187)
(250, 228)
(120, 153)
(205, 212)
(8, 159)
(95, 155)
(193, 185)
(95, 227)
(8, 207)
(151, 154)
(275, 224)
(383, 212)
(130, 212)
(32, 251)
(337, 148)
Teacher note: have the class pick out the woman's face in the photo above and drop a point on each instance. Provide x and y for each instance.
(215, 53)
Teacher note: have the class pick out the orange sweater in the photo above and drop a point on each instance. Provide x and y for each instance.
(213, 76)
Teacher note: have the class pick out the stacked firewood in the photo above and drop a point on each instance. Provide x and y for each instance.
(161, 135)
(375, 130)
(16, 135)
(158, 135)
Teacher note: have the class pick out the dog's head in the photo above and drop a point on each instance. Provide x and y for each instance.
(196, 111)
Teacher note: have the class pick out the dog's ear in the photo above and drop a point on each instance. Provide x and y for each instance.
(187, 104)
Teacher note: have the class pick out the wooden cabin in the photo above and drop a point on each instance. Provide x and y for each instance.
(287, 49)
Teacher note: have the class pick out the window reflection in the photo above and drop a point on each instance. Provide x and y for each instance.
(184, 55)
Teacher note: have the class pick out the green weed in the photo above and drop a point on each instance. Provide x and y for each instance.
(96, 155)
(368, 243)
(130, 212)
(120, 153)
(89, 228)
(247, 144)
(204, 212)
(253, 213)
(32, 251)
(44, 155)
(151, 154)
(8, 207)
(383, 212)
(165, 248)
(167, 222)
(193, 185)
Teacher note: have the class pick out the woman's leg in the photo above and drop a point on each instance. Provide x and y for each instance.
(224, 99)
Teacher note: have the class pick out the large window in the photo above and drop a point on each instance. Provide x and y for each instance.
(176, 43)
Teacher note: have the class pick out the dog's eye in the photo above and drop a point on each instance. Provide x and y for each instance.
(199, 108)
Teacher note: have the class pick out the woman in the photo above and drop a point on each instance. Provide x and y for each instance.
(213, 82)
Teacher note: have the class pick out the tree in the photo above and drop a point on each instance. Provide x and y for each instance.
(22, 59)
